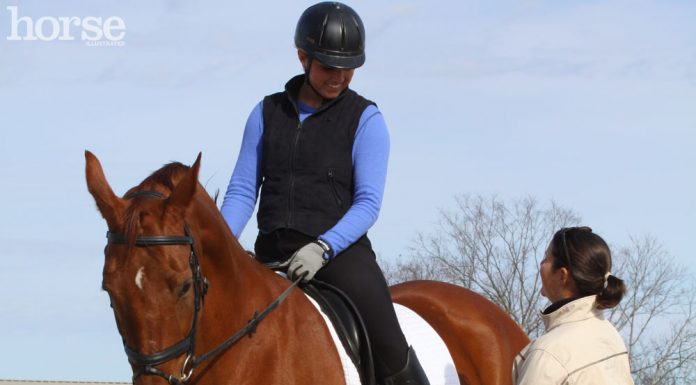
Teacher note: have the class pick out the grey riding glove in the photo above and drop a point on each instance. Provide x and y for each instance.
(308, 260)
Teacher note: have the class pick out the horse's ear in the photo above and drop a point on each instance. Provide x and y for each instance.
(180, 198)
(110, 206)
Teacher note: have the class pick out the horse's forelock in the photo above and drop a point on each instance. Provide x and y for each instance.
(168, 176)
(162, 181)
(132, 225)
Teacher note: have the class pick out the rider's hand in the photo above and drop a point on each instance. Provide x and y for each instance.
(307, 260)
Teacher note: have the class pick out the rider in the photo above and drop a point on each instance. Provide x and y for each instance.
(318, 153)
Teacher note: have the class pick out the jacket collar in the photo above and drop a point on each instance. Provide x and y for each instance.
(292, 89)
(558, 304)
(577, 310)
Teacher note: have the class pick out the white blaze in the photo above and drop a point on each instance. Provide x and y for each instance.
(139, 278)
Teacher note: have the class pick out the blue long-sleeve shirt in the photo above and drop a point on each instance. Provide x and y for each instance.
(370, 157)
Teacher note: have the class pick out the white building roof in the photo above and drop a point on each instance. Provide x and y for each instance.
(48, 382)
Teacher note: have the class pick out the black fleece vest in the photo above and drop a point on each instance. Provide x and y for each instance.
(307, 167)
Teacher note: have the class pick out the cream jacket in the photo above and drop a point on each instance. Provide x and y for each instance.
(579, 347)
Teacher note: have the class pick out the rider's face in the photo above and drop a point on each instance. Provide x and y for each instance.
(327, 81)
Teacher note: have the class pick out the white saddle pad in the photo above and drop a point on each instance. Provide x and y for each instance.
(431, 350)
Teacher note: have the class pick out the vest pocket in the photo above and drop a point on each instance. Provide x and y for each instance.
(334, 191)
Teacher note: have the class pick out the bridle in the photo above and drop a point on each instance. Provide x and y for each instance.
(146, 364)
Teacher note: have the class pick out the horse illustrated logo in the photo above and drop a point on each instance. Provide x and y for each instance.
(93, 30)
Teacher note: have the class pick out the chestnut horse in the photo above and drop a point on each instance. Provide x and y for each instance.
(482, 339)
(192, 306)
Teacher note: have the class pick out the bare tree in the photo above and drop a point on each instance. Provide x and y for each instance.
(656, 316)
(409, 270)
(491, 247)
(494, 248)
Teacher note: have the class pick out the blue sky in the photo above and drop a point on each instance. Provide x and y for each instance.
(591, 104)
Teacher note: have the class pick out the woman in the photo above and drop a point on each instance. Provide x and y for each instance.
(579, 346)
(318, 154)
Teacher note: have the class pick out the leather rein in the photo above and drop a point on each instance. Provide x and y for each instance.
(146, 364)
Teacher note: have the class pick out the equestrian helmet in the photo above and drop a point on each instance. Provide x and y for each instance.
(332, 33)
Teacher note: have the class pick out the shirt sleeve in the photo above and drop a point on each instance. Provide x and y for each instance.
(243, 189)
(370, 160)
(539, 367)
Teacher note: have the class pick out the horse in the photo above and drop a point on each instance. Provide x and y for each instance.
(482, 339)
(192, 307)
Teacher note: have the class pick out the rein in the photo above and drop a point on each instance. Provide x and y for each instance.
(147, 363)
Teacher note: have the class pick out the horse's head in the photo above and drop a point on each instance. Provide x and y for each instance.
(151, 272)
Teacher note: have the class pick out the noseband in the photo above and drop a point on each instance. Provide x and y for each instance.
(146, 364)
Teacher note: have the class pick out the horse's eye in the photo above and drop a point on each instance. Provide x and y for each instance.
(185, 288)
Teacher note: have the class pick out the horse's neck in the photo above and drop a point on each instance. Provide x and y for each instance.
(238, 285)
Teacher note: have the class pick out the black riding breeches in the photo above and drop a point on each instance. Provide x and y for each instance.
(356, 273)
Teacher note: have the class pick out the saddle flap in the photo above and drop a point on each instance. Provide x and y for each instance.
(348, 324)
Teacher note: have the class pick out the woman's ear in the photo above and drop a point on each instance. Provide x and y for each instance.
(564, 276)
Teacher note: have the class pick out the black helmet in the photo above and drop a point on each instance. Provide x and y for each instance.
(332, 33)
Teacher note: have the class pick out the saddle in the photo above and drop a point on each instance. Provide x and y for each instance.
(348, 324)
(345, 319)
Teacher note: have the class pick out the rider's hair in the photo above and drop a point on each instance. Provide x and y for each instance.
(588, 259)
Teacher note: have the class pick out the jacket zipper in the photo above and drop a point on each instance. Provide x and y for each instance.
(332, 183)
(291, 188)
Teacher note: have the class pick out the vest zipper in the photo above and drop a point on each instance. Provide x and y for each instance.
(332, 183)
(291, 192)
